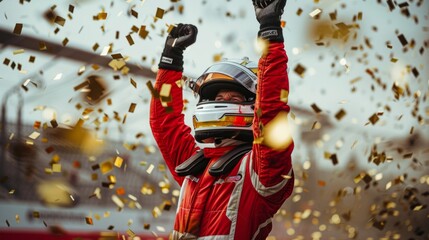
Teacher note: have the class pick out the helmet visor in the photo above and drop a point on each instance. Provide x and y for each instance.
(228, 71)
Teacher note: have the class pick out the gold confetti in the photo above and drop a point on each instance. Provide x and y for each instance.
(42, 46)
(59, 20)
(153, 91)
(142, 32)
(315, 108)
(340, 114)
(131, 233)
(271, 132)
(18, 29)
(133, 83)
(36, 214)
(156, 212)
(106, 167)
(403, 40)
(165, 90)
(315, 12)
(34, 135)
(105, 51)
(300, 70)
(118, 201)
(130, 40)
(118, 162)
(159, 13)
(284, 94)
(134, 13)
(100, 16)
(150, 169)
(132, 107)
(88, 220)
(19, 51)
(65, 41)
(56, 167)
(116, 56)
(17, 218)
(71, 8)
(374, 118)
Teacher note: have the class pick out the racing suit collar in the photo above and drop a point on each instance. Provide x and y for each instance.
(217, 151)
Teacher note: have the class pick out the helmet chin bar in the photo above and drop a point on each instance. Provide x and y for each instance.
(220, 134)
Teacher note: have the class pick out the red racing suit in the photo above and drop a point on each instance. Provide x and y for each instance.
(241, 204)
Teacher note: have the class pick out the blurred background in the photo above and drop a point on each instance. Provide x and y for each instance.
(78, 159)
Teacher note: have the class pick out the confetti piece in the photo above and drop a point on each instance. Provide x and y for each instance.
(403, 40)
(6, 61)
(130, 40)
(133, 83)
(159, 13)
(130, 233)
(315, 12)
(117, 56)
(150, 169)
(88, 221)
(18, 29)
(100, 16)
(270, 132)
(34, 135)
(42, 46)
(153, 91)
(56, 167)
(19, 51)
(118, 162)
(340, 114)
(142, 32)
(166, 205)
(315, 108)
(106, 167)
(118, 201)
(58, 77)
(374, 118)
(284, 94)
(120, 191)
(156, 212)
(300, 70)
(36, 214)
(71, 8)
(333, 16)
(134, 13)
(7, 223)
(17, 219)
(132, 107)
(65, 41)
(59, 20)
(105, 51)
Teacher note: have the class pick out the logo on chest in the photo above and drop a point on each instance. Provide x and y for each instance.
(229, 179)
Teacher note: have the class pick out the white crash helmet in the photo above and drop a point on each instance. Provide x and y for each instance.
(224, 119)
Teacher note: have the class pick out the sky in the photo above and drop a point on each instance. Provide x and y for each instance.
(353, 72)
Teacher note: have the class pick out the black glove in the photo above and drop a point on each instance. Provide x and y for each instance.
(177, 41)
(268, 14)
